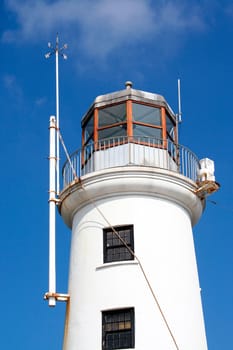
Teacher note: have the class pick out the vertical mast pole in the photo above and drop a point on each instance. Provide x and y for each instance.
(57, 116)
(52, 212)
(54, 181)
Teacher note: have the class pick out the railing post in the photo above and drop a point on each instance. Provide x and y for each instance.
(129, 150)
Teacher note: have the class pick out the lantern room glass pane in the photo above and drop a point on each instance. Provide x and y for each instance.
(170, 127)
(115, 131)
(146, 131)
(112, 115)
(89, 128)
(146, 114)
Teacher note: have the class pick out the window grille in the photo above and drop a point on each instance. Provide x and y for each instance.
(114, 248)
(118, 329)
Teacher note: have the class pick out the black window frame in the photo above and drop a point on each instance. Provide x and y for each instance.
(115, 250)
(118, 329)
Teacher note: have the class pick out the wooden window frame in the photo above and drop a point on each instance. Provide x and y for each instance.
(118, 327)
(111, 105)
(129, 123)
(129, 118)
(162, 127)
(96, 120)
(112, 126)
(126, 255)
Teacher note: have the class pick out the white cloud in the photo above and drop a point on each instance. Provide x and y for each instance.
(101, 26)
(40, 101)
(9, 81)
(180, 17)
(12, 86)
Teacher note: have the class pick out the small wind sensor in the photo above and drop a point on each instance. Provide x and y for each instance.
(56, 49)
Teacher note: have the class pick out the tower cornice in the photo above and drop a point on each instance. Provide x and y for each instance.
(131, 180)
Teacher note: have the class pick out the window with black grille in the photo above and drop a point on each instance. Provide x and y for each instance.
(114, 247)
(118, 329)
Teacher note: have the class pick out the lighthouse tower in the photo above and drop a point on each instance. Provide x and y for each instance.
(131, 196)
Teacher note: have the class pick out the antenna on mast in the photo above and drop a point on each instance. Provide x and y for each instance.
(179, 102)
(54, 180)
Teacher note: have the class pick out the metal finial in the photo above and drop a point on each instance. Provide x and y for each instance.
(128, 84)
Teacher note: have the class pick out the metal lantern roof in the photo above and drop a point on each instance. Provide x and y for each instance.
(129, 93)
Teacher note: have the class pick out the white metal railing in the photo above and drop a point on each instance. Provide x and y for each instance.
(126, 151)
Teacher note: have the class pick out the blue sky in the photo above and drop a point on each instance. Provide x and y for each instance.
(151, 43)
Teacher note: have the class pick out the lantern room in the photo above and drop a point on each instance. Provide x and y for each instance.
(143, 121)
(129, 114)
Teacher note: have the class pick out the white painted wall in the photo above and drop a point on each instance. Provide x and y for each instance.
(164, 243)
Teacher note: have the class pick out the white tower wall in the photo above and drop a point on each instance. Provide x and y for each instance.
(162, 207)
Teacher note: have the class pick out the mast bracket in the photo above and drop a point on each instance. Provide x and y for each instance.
(206, 188)
(57, 296)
